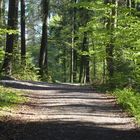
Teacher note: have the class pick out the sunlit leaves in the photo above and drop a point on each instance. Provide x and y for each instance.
(4, 31)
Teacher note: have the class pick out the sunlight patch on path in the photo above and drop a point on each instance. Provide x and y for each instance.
(72, 103)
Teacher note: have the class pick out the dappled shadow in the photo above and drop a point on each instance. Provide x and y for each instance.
(44, 86)
(66, 112)
(66, 96)
(62, 130)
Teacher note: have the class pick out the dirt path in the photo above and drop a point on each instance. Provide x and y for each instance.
(67, 112)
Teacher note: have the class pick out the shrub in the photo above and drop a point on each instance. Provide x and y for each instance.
(10, 97)
(130, 100)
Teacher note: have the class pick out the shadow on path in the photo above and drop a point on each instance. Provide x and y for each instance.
(66, 112)
(29, 85)
(62, 131)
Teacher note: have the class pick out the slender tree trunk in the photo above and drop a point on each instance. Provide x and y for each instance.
(43, 58)
(1, 11)
(84, 62)
(131, 3)
(104, 71)
(94, 67)
(73, 71)
(10, 41)
(81, 69)
(87, 70)
(1, 19)
(111, 23)
(74, 45)
(64, 66)
(71, 63)
(23, 40)
(43, 46)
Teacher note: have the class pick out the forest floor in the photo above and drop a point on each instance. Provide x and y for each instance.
(66, 112)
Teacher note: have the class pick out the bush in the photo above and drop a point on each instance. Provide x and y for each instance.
(130, 100)
(25, 72)
(10, 97)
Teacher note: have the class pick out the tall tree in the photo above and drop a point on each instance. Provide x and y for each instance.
(84, 76)
(23, 42)
(73, 69)
(110, 26)
(1, 17)
(1, 7)
(84, 61)
(43, 58)
(11, 38)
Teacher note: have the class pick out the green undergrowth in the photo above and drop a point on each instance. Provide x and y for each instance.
(130, 101)
(10, 98)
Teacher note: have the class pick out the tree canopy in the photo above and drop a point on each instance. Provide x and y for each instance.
(79, 41)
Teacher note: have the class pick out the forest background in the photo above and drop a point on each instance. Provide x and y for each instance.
(77, 41)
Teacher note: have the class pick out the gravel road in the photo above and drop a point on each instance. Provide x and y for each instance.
(66, 112)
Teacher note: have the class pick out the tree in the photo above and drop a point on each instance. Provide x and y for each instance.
(11, 38)
(1, 7)
(110, 25)
(23, 42)
(73, 68)
(43, 58)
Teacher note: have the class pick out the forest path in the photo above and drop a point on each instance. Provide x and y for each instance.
(66, 112)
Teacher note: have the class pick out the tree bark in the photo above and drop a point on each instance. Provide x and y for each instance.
(43, 47)
(1, 19)
(1, 11)
(110, 26)
(10, 41)
(43, 58)
(73, 71)
(23, 40)
(84, 62)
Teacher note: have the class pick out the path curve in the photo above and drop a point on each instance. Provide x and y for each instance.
(67, 112)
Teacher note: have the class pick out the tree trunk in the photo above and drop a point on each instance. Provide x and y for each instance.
(73, 71)
(94, 62)
(1, 11)
(43, 46)
(104, 72)
(43, 58)
(23, 41)
(81, 69)
(84, 62)
(64, 66)
(111, 24)
(87, 70)
(1, 19)
(10, 41)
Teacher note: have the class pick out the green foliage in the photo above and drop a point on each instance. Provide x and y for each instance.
(10, 98)
(1, 55)
(4, 31)
(26, 71)
(130, 100)
(126, 41)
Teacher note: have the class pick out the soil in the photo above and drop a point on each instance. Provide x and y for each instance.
(66, 112)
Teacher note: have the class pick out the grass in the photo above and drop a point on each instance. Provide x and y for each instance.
(10, 98)
(130, 100)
